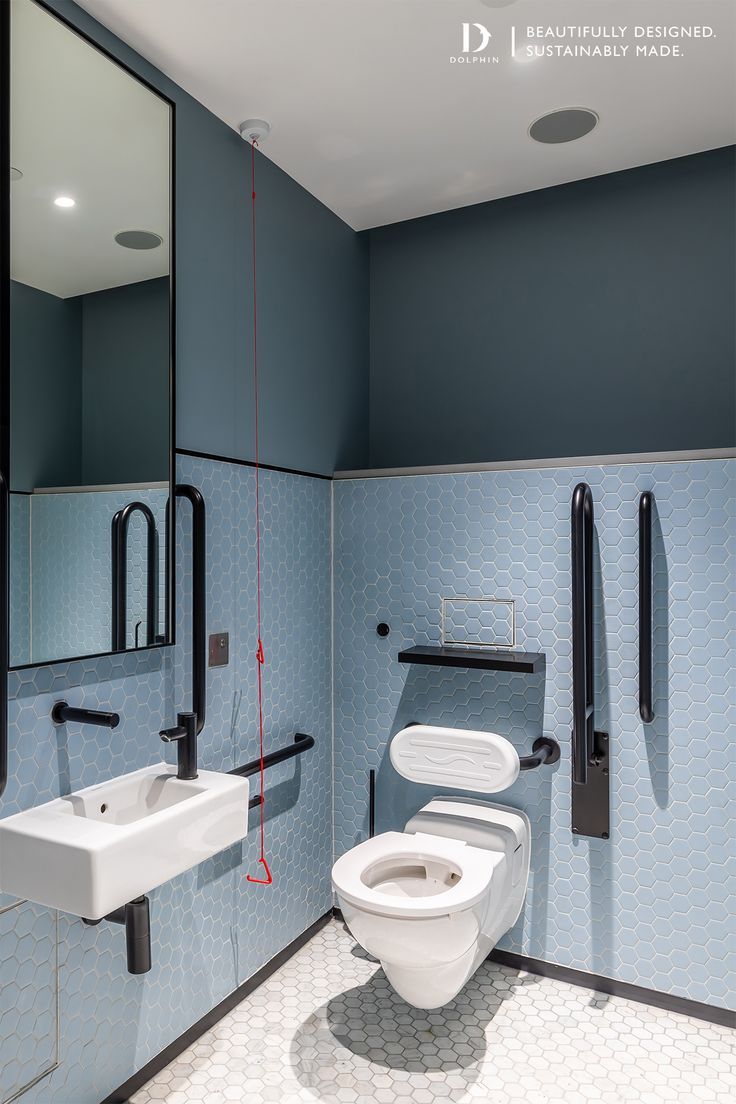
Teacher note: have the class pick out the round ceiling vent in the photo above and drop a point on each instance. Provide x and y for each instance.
(564, 125)
(138, 239)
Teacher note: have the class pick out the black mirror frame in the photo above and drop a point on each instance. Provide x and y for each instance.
(5, 321)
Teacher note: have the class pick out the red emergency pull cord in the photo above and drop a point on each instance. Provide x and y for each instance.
(260, 658)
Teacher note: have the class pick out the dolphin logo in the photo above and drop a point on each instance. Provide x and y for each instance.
(485, 37)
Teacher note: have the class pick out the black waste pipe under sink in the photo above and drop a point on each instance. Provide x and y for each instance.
(136, 918)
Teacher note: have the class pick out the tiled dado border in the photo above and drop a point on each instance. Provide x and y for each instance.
(546, 462)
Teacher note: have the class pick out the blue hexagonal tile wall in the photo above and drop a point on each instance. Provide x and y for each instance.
(651, 905)
(210, 928)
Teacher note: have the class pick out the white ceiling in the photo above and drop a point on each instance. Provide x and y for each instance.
(82, 127)
(370, 116)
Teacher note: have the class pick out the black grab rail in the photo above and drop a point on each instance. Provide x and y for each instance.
(545, 750)
(119, 533)
(582, 632)
(199, 599)
(590, 752)
(302, 743)
(646, 710)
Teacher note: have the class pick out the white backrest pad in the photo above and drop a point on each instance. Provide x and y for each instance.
(454, 757)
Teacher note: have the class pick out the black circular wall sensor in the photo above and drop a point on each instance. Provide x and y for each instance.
(382, 629)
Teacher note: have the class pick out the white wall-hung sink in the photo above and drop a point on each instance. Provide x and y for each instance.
(102, 847)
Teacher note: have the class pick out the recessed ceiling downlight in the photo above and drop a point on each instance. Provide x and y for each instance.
(15, 174)
(138, 239)
(564, 125)
(64, 201)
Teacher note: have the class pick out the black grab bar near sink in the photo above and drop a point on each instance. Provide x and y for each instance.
(302, 743)
(590, 753)
(199, 597)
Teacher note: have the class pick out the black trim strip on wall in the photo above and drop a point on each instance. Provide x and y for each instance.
(612, 988)
(250, 464)
(122, 1094)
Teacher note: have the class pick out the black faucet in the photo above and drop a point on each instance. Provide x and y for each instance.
(63, 712)
(185, 736)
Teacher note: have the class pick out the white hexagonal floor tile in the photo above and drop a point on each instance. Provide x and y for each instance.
(328, 1027)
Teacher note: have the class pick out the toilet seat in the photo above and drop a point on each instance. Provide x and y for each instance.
(469, 872)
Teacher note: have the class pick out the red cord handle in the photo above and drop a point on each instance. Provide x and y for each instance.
(260, 658)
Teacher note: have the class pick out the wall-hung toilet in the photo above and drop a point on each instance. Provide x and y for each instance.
(432, 901)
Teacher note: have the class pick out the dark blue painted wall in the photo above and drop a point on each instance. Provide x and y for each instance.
(595, 317)
(89, 386)
(313, 288)
(45, 394)
(125, 383)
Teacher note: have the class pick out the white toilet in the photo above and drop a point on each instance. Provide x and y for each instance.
(432, 901)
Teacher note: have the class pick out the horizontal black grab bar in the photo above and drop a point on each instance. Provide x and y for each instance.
(302, 742)
(544, 750)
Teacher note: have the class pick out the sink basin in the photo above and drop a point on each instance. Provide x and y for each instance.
(101, 847)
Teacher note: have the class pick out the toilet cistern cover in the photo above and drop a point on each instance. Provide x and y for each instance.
(454, 757)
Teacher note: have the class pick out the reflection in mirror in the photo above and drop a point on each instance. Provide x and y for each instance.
(89, 344)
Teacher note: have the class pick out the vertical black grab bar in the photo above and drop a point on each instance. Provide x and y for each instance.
(582, 632)
(119, 532)
(590, 749)
(199, 599)
(646, 711)
(4, 628)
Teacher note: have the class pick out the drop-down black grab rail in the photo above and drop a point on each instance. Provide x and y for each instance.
(590, 752)
(646, 710)
(582, 632)
(302, 743)
(119, 534)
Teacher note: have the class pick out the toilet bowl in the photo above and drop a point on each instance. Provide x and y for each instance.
(432, 901)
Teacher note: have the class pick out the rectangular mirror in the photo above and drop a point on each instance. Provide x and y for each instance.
(89, 367)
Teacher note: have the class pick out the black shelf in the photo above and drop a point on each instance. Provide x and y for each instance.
(485, 659)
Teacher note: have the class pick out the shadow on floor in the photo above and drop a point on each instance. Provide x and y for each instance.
(380, 1031)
